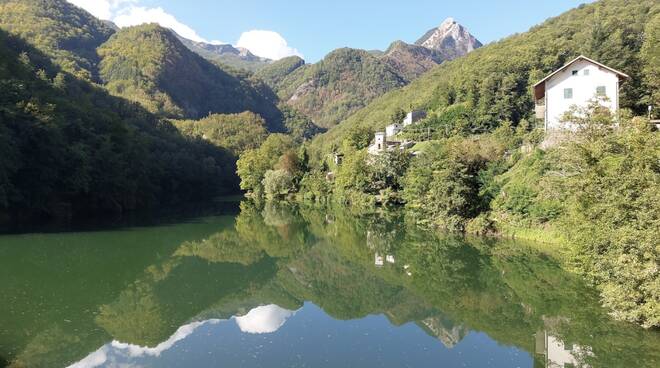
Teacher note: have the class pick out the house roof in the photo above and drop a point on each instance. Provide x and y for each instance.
(539, 88)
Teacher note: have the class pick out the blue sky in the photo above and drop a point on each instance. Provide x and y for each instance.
(314, 28)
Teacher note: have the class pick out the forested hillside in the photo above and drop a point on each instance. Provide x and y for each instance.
(149, 65)
(65, 32)
(340, 84)
(276, 72)
(492, 84)
(411, 61)
(68, 147)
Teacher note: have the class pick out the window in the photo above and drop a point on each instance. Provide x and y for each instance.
(586, 72)
(568, 93)
(601, 91)
(575, 72)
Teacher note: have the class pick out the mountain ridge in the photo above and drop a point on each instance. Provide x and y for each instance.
(450, 39)
(229, 55)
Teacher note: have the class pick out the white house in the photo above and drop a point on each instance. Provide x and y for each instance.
(576, 84)
(393, 130)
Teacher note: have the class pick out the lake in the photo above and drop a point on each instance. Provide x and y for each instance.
(283, 286)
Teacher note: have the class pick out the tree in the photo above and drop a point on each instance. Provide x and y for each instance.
(398, 116)
(253, 164)
(278, 184)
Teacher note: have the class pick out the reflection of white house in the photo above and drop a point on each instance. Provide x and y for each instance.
(576, 84)
(559, 354)
(379, 260)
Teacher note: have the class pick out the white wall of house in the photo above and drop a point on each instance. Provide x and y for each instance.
(413, 117)
(393, 130)
(581, 79)
(380, 144)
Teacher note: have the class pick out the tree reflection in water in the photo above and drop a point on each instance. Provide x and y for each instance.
(266, 263)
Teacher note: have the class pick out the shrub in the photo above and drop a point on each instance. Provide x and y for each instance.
(278, 184)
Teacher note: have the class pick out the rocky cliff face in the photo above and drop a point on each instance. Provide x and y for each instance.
(450, 39)
(236, 57)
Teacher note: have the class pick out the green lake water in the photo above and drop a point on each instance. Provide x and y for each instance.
(281, 286)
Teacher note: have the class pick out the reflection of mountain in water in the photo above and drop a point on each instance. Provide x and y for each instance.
(267, 262)
(260, 320)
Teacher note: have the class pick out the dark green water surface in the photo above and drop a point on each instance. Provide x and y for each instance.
(281, 286)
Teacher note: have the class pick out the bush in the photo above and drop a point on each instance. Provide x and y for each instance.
(278, 184)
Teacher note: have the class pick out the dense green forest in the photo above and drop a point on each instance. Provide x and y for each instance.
(69, 147)
(478, 166)
(63, 31)
(148, 64)
(275, 73)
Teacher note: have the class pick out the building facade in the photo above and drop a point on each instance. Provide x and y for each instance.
(576, 84)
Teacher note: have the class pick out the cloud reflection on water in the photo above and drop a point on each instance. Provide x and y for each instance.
(260, 320)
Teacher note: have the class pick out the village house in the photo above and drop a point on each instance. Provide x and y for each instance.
(576, 84)
(383, 140)
(393, 130)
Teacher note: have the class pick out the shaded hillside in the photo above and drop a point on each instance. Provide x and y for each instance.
(67, 147)
(149, 65)
(63, 31)
(494, 83)
(342, 83)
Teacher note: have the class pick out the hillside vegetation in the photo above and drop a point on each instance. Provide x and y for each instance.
(63, 31)
(275, 73)
(494, 82)
(478, 167)
(67, 147)
(343, 82)
(149, 65)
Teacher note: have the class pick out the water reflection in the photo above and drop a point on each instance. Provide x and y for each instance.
(263, 320)
(298, 278)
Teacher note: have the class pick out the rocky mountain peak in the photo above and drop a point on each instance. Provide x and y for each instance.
(451, 39)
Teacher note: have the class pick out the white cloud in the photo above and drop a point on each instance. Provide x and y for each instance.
(136, 15)
(126, 13)
(263, 320)
(267, 44)
(115, 351)
(103, 9)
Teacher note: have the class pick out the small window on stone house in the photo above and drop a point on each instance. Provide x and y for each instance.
(568, 93)
(575, 72)
(586, 72)
(601, 91)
